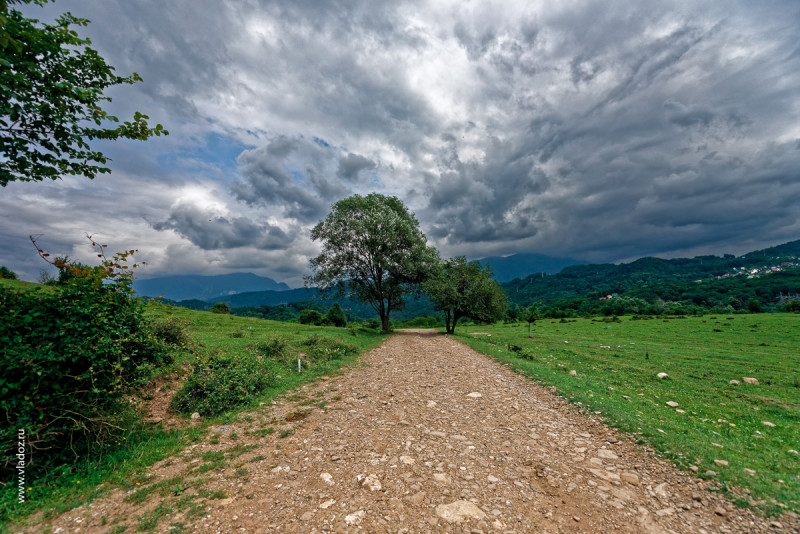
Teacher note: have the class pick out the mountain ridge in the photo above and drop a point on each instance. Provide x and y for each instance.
(508, 268)
(205, 287)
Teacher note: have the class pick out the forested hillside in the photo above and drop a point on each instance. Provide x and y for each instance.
(765, 276)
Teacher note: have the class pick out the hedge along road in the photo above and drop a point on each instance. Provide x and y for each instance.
(429, 436)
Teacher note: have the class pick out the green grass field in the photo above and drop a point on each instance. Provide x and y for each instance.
(228, 333)
(616, 364)
(122, 464)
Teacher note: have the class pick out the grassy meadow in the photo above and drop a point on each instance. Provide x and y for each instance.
(125, 462)
(755, 428)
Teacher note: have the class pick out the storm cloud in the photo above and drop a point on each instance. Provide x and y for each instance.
(586, 129)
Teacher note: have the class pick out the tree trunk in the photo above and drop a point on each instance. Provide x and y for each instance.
(456, 317)
(447, 322)
(384, 315)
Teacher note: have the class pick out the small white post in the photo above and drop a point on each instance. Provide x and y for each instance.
(298, 366)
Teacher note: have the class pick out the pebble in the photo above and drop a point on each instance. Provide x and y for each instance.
(459, 511)
(607, 454)
(722, 463)
(355, 518)
(672, 404)
(474, 395)
(662, 375)
(417, 498)
(734, 382)
(573, 373)
(196, 415)
(630, 478)
(750, 380)
(370, 482)
(767, 423)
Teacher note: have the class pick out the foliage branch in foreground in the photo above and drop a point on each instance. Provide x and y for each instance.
(51, 91)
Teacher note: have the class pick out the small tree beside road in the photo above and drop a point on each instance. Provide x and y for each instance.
(461, 289)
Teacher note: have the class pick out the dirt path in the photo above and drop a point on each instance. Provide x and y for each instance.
(430, 436)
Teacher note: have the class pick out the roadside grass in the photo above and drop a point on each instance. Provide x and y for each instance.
(123, 464)
(617, 362)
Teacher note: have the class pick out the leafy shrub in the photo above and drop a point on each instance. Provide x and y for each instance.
(7, 273)
(336, 316)
(372, 323)
(322, 348)
(310, 317)
(219, 382)
(171, 331)
(277, 349)
(68, 356)
(793, 306)
(220, 307)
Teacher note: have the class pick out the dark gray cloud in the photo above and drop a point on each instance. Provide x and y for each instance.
(351, 167)
(211, 232)
(300, 177)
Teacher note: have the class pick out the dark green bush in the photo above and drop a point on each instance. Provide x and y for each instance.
(220, 307)
(7, 273)
(336, 316)
(172, 331)
(68, 356)
(219, 382)
(372, 323)
(310, 317)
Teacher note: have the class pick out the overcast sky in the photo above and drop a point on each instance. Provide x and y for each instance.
(603, 131)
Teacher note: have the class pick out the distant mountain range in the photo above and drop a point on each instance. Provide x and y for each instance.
(521, 265)
(237, 289)
(190, 286)
(700, 280)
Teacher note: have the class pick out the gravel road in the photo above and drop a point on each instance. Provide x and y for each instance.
(430, 436)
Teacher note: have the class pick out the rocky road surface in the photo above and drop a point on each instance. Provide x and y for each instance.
(428, 436)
